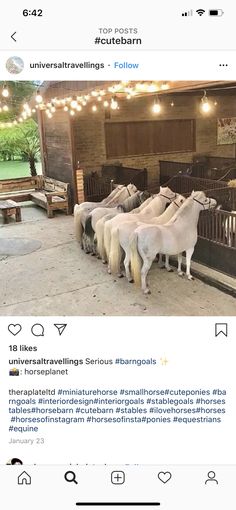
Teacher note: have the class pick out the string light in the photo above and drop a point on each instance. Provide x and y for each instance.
(73, 104)
(205, 105)
(156, 108)
(114, 103)
(5, 91)
(38, 97)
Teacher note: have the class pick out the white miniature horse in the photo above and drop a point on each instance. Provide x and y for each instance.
(178, 235)
(99, 228)
(230, 228)
(96, 214)
(81, 211)
(154, 208)
(120, 238)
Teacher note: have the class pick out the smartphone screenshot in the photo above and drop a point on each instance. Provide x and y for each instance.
(117, 255)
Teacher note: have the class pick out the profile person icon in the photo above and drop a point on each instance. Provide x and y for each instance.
(211, 477)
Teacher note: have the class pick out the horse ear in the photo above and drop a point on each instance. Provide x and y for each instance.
(161, 188)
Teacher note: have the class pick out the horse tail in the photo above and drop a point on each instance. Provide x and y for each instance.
(115, 252)
(77, 223)
(107, 238)
(88, 229)
(100, 238)
(135, 259)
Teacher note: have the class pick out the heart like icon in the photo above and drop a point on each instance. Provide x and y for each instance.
(164, 476)
(14, 329)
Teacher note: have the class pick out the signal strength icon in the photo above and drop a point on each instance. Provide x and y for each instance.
(200, 12)
(187, 13)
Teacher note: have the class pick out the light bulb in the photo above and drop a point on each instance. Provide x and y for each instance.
(94, 108)
(206, 107)
(172, 103)
(38, 97)
(72, 112)
(105, 104)
(79, 108)
(5, 108)
(114, 104)
(156, 107)
(5, 91)
(49, 115)
(66, 108)
(73, 103)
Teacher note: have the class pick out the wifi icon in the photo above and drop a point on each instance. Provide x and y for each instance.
(200, 12)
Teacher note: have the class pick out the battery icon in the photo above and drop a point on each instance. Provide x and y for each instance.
(216, 12)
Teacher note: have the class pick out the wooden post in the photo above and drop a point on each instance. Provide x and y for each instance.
(79, 175)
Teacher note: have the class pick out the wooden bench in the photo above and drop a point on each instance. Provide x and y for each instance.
(46, 192)
(9, 208)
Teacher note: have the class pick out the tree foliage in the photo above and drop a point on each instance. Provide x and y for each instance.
(20, 141)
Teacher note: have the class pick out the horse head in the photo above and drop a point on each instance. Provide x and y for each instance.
(203, 200)
(131, 189)
(167, 193)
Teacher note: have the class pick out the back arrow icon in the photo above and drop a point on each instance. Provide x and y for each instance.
(12, 36)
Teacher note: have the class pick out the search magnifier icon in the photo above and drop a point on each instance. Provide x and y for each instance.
(70, 476)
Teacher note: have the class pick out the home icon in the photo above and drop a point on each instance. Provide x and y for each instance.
(24, 479)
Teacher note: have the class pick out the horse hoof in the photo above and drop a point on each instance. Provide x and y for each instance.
(104, 261)
(180, 273)
(98, 257)
(190, 278)
(162, 266)
(120, 275)
(169, 270)
(130, 280)
(109, 271)
(147, 291)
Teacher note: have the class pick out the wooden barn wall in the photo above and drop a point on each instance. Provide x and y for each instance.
(58, 157)
(89, 132)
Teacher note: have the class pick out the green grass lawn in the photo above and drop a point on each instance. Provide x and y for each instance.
(14, 169)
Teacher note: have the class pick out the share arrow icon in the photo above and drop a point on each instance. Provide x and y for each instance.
(61, 328)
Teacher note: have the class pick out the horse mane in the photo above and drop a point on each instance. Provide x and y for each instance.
(131, 202)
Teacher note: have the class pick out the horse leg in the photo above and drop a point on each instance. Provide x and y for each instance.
(188, 262)
(160, 261)
(180, 257)
(127, 267)
(147, 262)
(167, 265)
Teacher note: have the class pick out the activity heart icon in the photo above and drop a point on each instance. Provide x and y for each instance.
(14, 329)
(164, 476)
